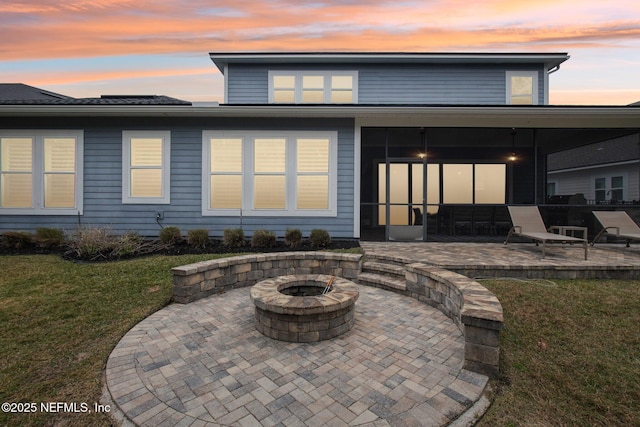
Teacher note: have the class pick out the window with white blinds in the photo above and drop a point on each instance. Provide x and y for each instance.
(41, 172)
(269, 173)
(145, 169)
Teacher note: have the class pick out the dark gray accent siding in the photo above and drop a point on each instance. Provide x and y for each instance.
(103, 205)
(392, 84)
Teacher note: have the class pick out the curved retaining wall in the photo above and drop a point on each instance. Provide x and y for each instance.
(471, 306)
(194, 281)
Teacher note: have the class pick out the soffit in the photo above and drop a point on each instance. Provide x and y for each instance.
(221, 60)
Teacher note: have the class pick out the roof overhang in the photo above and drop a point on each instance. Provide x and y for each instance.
(432, 116)
(550, 60)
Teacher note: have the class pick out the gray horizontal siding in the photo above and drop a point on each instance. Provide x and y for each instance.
(389, 84)
(247, 85)
(103, 176)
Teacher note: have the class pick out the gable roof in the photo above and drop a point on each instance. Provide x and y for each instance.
(550, 60)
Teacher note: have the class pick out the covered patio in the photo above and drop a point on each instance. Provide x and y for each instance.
(438, 173)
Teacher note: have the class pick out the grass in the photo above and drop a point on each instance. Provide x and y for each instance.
(60, 320)
(570, 354)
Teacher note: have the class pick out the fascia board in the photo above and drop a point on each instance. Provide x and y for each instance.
(438, 116)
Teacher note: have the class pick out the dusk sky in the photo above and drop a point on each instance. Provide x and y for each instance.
(87, 48)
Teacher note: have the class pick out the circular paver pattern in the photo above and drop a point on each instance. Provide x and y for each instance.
(204, 363)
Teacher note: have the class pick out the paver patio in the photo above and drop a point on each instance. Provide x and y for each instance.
(204, 363)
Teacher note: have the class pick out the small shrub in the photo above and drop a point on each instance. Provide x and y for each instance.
(320, 238)
(91, 243)
(198, 238)
(170, 235)
(233, 237)
(293, 237)
(49, 238)
(17, 239)
(127, 244)
(95, 244)
(263, 239)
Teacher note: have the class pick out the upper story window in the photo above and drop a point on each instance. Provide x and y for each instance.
(522, 87)
(145, 167)
(41, 172)
(313, 87)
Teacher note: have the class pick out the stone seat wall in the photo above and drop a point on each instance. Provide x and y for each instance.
(194, 281)
(471, 306)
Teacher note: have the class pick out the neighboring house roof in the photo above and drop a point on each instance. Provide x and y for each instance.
(20, 91)
(103, 100)
(21, 94)
(222, 59)
(606, 152)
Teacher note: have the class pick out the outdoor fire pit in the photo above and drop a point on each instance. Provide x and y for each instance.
(304, 308)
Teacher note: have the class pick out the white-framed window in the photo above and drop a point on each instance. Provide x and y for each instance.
(522, 87)
(313, 87)
(269, 173)
(41, 172)
(609, 188)
(146, 172)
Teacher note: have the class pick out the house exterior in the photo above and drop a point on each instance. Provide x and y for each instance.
(607, 172)
(364, 145)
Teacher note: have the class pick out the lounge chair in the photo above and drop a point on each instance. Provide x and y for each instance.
(527, 222)
(620, 221)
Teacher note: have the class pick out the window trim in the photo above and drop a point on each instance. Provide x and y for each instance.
(38, 173)
(165, 135)
(608, 188)
(327, 88)
(524, 73)
(291, 174)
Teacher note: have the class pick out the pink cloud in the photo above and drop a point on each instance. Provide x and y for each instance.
(51, 29)
(82, 28)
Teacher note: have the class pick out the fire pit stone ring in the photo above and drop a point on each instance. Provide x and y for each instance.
(300, 308)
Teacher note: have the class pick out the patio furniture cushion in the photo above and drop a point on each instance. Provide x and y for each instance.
(527, 222)
(619, 221)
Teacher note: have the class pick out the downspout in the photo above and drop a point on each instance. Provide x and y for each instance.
(546, 83)
(535, 167)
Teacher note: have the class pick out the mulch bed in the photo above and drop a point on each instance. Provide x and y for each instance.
(183, 248)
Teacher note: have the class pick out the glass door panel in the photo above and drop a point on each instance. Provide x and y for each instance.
(401, 197)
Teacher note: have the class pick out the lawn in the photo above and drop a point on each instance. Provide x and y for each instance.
(59, 321)
(570, 351)
(570, 354)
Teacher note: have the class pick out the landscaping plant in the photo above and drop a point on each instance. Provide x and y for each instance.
(198, 238)
(233, 237)
(17, 239)
(170, 235)
(293, 237)
(49, 238)
(320, 238)
(263, 239)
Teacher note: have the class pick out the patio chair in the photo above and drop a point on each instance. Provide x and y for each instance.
(620, 221)
(527, 222)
